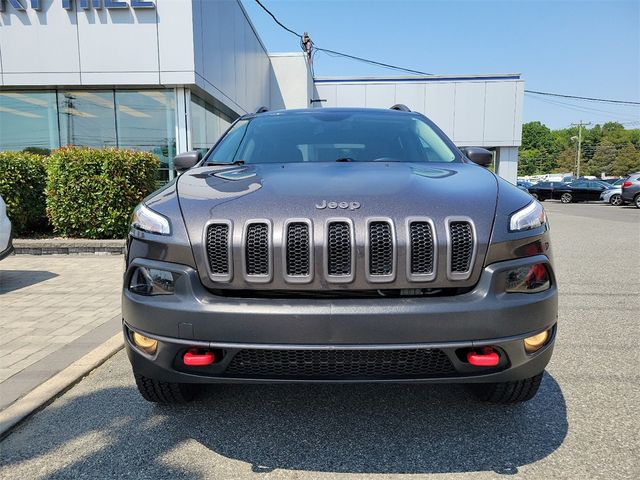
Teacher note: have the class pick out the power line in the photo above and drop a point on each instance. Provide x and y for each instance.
(396, 67)
(591, 99)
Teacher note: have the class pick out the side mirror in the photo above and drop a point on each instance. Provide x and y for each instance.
(478, 155)
(184, 161)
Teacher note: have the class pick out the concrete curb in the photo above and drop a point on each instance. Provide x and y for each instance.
(44, 394)
(68, 246)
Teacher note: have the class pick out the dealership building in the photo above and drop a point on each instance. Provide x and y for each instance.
(169, 76)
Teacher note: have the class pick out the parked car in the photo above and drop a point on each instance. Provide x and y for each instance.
(576, 191)
(631, 189)
(338, 245)
(524, 185)
(542, 191)
(612, 195)
(6, 244)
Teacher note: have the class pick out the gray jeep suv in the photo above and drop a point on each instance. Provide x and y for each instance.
(339, 245)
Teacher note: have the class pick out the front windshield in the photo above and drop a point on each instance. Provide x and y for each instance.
(330, 137)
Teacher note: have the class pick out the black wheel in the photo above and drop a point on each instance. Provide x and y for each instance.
(535, 195)
(636, 200)
(164, 392)
(615, 199)
(508, 392)
(566, 198)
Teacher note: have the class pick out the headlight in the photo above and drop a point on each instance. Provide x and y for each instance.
(531, 216)
(151, 281)
(530, 279)
(147, 220)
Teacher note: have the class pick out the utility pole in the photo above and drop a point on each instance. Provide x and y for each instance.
(580, 124)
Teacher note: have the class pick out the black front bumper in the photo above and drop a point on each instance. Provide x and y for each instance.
(9, 250)
(193, 317)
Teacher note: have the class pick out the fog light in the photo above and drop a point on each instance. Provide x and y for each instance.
(534, 343)
(151, 281)
(530, 279)
(147, 344)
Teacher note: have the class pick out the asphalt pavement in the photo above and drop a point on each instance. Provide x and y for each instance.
(582, 424)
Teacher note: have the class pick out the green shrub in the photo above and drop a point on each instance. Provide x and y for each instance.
(91, 192)
(22, 183)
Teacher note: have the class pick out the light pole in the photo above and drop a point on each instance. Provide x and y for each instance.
(580, 124)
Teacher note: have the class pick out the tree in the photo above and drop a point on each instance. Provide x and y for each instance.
(602, 161)
(566, 161)
(627, 160)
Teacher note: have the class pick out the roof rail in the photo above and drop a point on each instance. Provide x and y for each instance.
(400, 107)
(261, 109)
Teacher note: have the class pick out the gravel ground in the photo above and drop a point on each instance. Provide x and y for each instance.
(582, 423)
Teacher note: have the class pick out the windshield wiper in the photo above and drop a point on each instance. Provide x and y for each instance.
(345, 159)
(235, 162)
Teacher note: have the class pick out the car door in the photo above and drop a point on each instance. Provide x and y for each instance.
(595, 190)
(579, 190)
(543, 189)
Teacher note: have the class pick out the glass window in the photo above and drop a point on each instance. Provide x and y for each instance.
(28, 120)
(207, 124)
(87, 118)
(331, 136)
(146, 120)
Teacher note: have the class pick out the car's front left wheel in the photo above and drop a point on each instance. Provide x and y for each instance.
(566, 198)
(615, 199)
(156, 391)
(508, 392)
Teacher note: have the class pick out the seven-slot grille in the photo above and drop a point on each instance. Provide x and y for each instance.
(461, 248)
(339, 249)
(339, 255)
(339, 364)
(422, 248)
(218, 248)
(256, 249)
(298, 250)
(380, 248)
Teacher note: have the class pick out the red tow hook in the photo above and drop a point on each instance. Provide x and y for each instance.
(488, 358)
(198, 358)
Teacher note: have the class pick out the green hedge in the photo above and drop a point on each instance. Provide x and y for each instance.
(22, 182)
(91, 193)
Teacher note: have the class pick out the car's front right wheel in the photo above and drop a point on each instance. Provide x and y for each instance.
(156, 391)
(508, 392)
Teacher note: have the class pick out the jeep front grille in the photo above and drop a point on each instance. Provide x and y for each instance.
(422, 247)
(339, 249)
(262, 252)
(461, 248)
(256, 249)
(298, 250)
(218, 248)
(340, 364)
(380, 249)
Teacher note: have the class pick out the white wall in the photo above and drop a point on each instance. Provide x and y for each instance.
(208, 43)
(472, 111)
(292, 83)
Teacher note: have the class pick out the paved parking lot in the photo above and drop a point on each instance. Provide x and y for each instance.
(582, 424)
(53, 308)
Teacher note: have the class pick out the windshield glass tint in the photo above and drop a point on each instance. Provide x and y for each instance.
(333, 136)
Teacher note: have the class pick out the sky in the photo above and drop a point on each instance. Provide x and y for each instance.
(576, 47)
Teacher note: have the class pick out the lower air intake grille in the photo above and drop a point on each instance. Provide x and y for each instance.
(339, 249)
(257, 249)
(298, 250)
(380, 248)
(339, 364)
(218, 248)
(421, 248)
(461, 246)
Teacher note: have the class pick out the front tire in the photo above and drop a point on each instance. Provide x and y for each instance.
(155, 391)
(535, 195)
(508, 392)
(636, 200)
(566, 198)
(615, 199)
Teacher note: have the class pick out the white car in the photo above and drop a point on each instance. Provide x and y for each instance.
(613, 195)
(6, 245)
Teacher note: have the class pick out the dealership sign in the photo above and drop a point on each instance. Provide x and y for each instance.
(21, 5)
